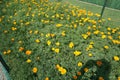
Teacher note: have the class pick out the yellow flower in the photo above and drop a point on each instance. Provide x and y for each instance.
(4, 52)
(89, 27)
(57, 43)
(28, 61)
(63, 33)
(48, 42)
(106, 47)
(108, 28)
(19, 42)
(60, 69)
(35, 70)
(27, 23)
(110, 37)
(30, 31)
(57, 66)
(88, 33)
(28, 52)
(108, 33)
(46, 21)
(71, 44)
(103, 36)
(37, 41)
(57, 50)
(5, 31)
(14, 22)
(102, 33)
(90, 54)
(53, 49)
(0, 19)
(33, 15)
(63, 71)
(46, 78)
(116, 58)
(12, 39)
(86, 69)
(8, 51)
(85, 36)
(109, 19)
(48, 35)
(96, 32)
(36, 32)
(27, 14)
(41, 34)
(14, 28)
(52, 35)
(98, 15)
(90, 46)
(75, 25)
(118, 78)
(76, 53)
(57, 15)
(59, 25)
(91, 42)
(79, 64)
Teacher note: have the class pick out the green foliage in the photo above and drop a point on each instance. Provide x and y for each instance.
(37, 34)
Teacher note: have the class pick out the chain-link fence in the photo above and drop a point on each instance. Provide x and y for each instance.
(110, 3)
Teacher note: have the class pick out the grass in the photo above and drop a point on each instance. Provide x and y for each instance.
(108, 13)
(42, 40)
(111, 3)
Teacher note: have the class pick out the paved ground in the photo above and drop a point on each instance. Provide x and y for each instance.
(2, 73)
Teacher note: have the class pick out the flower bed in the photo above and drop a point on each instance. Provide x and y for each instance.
(57, 41)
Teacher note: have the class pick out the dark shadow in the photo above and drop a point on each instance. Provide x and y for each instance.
(4, 63)
(102, 69)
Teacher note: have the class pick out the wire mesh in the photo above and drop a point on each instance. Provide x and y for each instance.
(110, 3)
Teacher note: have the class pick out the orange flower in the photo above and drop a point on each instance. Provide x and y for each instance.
(101, 78)
(52, 35)
(79, 73)
(34, 70)
(28, 52)
(21, 49)
(74, 77)
(99, 63)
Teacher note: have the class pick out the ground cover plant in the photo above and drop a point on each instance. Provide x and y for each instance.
(43, 40)
(108, 12)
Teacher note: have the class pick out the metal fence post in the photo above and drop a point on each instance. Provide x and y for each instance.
(103, 8)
